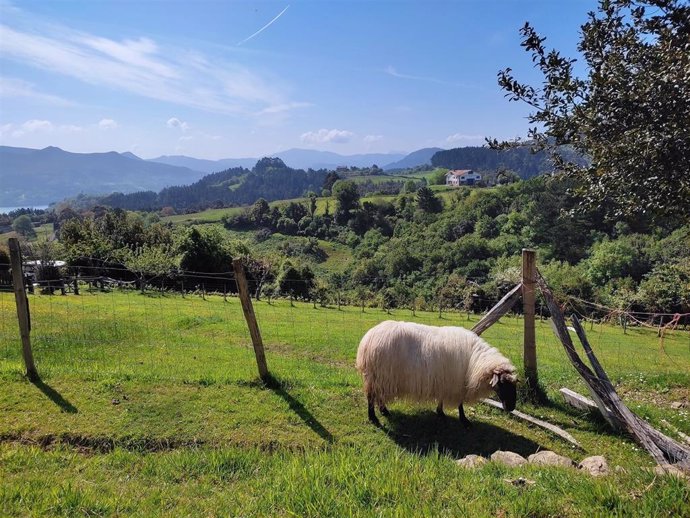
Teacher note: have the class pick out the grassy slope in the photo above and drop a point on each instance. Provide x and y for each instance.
(150, 406)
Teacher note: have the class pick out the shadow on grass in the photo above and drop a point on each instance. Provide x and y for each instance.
(55, 396)
(426, 433)
(278, 387)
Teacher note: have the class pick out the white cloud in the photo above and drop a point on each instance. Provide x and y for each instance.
(37, 126)
(107, 124)
(11, 87)
(143, 67)
(324, 136)
(460, 137)
(369, 139)
(185, 138)
(392, 71)
(285, 107)
(174, 122)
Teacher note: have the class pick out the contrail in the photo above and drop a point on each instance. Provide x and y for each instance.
(264, 27)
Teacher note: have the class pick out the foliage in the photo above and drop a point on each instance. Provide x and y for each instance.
(629, 115)
(347, 197)
(23, 226)
(207, 249)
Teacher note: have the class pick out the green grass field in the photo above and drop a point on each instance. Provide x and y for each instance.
(149, 405)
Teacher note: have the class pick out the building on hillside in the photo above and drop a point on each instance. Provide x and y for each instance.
(458, 177)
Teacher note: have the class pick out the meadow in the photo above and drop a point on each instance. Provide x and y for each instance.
(150, 405)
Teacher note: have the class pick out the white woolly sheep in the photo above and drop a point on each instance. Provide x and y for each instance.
(451, 365)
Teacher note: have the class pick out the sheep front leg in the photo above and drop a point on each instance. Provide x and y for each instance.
(439, 410)
(372, 412)
(463, 419)
(384, 411)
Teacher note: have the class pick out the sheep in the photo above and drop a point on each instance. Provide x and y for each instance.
(451, 365)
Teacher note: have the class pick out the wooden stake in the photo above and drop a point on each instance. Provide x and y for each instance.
(495, 313)
(547, 426)
(529, 278)
(248, 309)
(22, 308)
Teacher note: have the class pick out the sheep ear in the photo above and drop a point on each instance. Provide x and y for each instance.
(494, 380)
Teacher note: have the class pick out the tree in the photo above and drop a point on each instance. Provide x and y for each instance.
(207, 249)
(23, 226)
(629, 115)
(347, 196)
(150, 261)
(427, 201)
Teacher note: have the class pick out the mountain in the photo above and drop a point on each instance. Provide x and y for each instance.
(295, 158)
(414, 159)
(206, 166)
(313, 159)
(42, 176)
(521, 160)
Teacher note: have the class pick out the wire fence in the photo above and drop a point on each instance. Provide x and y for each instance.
(113, 328)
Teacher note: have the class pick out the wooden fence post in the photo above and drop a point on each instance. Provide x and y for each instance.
(22, 308)
(248, 309)
(529, 279)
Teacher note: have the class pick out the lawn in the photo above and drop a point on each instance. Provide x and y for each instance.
(149, 405)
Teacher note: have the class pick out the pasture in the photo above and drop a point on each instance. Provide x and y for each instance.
(149, 405)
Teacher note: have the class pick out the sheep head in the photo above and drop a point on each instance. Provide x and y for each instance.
(504, 381)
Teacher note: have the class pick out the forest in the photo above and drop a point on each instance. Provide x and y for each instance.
(422, 249)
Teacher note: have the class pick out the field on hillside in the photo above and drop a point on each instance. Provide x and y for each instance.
(149, 405)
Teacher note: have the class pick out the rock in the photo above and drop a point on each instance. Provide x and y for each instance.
(595, 466)
(508, 458)
(471, 461)
(670, 471)
(549, 458)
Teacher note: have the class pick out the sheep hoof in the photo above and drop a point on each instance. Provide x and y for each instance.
(466, 424)
(375, 421)
(440, 413)
(384, 411)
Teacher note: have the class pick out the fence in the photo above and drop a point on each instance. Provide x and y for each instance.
(113, 329)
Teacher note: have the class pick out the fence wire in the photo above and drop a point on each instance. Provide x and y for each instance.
(114, 329)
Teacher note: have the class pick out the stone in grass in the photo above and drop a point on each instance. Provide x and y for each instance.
(671, 471)
(549, 458)
(471, 461)
(508, 458)
(595, 465)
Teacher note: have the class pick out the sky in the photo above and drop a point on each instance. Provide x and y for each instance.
(219, 79)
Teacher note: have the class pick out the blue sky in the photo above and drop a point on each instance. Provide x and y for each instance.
(201, 78)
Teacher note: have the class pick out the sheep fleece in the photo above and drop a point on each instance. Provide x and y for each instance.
(426, 363)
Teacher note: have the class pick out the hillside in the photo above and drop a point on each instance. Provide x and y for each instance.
(414, 159)
(520, 160)
(42, 176)
(270, 179)
(295, 158)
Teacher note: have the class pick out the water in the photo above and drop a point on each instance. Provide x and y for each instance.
(5, 210)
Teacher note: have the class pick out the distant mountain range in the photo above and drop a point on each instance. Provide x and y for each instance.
(414, 159)
(42, 176)
(295, 158)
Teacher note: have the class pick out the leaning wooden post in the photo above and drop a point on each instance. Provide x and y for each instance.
(529, 279)
(249, 316)
(22, 308)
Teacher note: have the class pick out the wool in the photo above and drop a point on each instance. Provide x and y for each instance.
(451, 365)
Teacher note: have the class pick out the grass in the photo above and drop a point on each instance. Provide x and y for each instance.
(149, 405)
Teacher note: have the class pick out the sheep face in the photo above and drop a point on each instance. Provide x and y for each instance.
(504, 383)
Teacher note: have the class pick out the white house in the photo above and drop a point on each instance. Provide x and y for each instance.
(457, 177)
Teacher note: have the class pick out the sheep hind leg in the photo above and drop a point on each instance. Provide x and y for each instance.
(463, 418)
(372, 412)
(439, 410)
(384, 411)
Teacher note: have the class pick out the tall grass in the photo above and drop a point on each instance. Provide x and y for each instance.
(150, 405)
